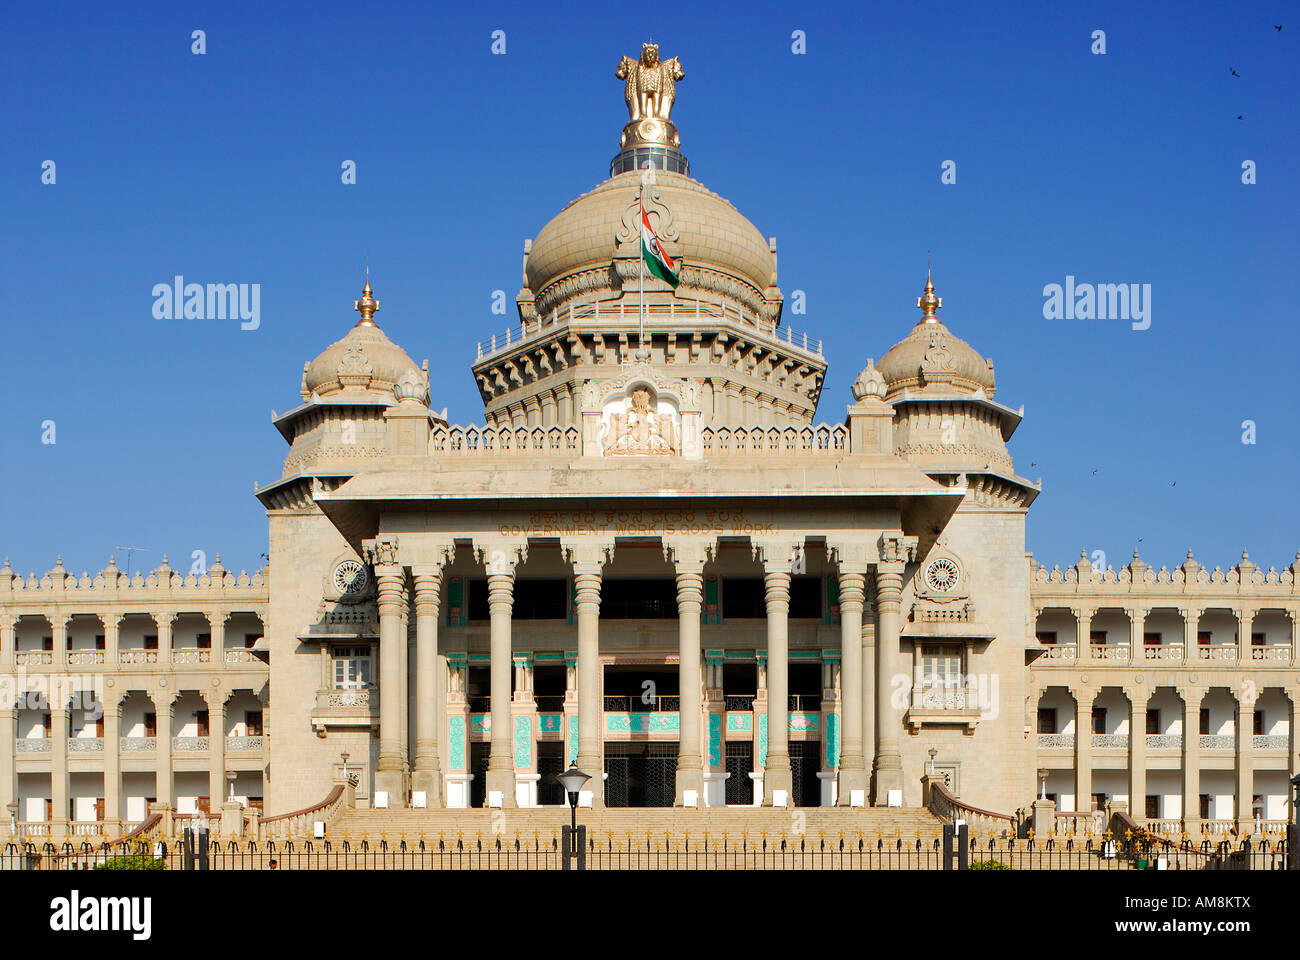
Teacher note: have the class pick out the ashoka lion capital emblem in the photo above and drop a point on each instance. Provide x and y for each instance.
(650, 91)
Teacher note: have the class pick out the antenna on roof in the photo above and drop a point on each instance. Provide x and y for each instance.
(129, 551)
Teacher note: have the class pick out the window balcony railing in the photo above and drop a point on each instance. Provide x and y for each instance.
(241, 655)
(1218, 742)
(1061, 651)
(1270, 742)
(1106, 651)
(1226, 652)
(638, 704)
(32, 745)
(1056, 741)
(1110, 740)
(33, 658)
(1272, 653)
(247, 744)
(85, 745)
(189, 744)
(1172, 652)
(137, 744)
(78, 658)
(740, 701)
(137, 656)
(549, 703)
(191, 655)
(1164, 741)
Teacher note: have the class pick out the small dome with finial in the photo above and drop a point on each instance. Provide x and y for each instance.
(930, 357)
(365, 362)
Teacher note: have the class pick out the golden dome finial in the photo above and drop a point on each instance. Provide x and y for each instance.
(929, 302)
(367, 305)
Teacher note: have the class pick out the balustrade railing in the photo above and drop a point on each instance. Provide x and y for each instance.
(658, 316)
(1218, 742)
(1056, 741)
(138, 744)
(32, 745)
(137, 656)
(189, 744)
(1164, 741)
(1226, 652)
(247, 744)
(85, 745)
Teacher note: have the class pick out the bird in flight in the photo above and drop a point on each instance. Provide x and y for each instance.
(1240, 117)
(1234, 72)
(1094, 473)
(1277, 26)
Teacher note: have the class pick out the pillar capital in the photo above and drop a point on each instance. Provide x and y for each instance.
(896, 547)
(380, 551)
(853, 589)
(428, 586)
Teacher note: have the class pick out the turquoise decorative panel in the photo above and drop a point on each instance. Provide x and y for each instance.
(715, 739)
(805, 722)
(456, 757)
(573, 739)
(550, 722)
(762, 739)
(480, 723)
(523, 742)
(643, 722)
(740, 722)
(832, 740)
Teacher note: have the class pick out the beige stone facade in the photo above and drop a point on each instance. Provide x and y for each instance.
(651, 560)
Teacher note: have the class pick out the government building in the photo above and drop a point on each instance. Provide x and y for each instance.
(649, 557)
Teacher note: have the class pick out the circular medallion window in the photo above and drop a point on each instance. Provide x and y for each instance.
(942, 575)
(350, 577)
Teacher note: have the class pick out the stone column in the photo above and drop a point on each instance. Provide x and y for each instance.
(164, 623)
(1294, 616)
(164, 782)
(1191, 624)
(112, 764)
(59, 627)
(427, 775)
(8, 642)
(777, 775)
(853, 768)
(8, 778)
(112, 621)
(889, 592)
(690, 598)
(501, 761)
(1083, 699)
(1245, 761)
(1137, 754)
(58, 758)
(586, 579)
(1083, 635)
(1191, 757)
(216, 751)
(390, 775)
(217, 631)
(1245, 622)
(869, 655)
(1137, 620)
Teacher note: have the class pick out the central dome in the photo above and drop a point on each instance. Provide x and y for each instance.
(720, 250)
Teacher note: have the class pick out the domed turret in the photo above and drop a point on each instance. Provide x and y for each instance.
(931, 359)
(363, 364)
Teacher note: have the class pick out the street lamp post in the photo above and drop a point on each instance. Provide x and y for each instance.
(573, 780)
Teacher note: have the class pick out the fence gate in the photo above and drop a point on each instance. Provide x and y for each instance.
(740, 763)
(640, 774)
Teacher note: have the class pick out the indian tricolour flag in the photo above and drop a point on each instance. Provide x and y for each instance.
(656, 257)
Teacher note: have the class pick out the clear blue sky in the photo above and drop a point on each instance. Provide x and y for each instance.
(226, 168)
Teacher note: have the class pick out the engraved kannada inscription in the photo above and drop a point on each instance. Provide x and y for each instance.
(633, 523)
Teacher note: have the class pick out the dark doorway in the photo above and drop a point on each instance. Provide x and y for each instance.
(805, 762)
(645, 688)
(640, 774)
(478, 763)
(550, 763)
(740, 763)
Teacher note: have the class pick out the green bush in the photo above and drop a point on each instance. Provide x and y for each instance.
(988, 865)
(134, 862)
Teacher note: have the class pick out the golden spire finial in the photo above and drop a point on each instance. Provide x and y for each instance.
(367, 305)
(929, 302)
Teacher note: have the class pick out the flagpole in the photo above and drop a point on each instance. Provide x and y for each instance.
(640, 204)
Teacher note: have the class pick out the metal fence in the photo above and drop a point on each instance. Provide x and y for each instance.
(683, 853)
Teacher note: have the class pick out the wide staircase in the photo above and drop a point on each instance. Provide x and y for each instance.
(616, 825)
